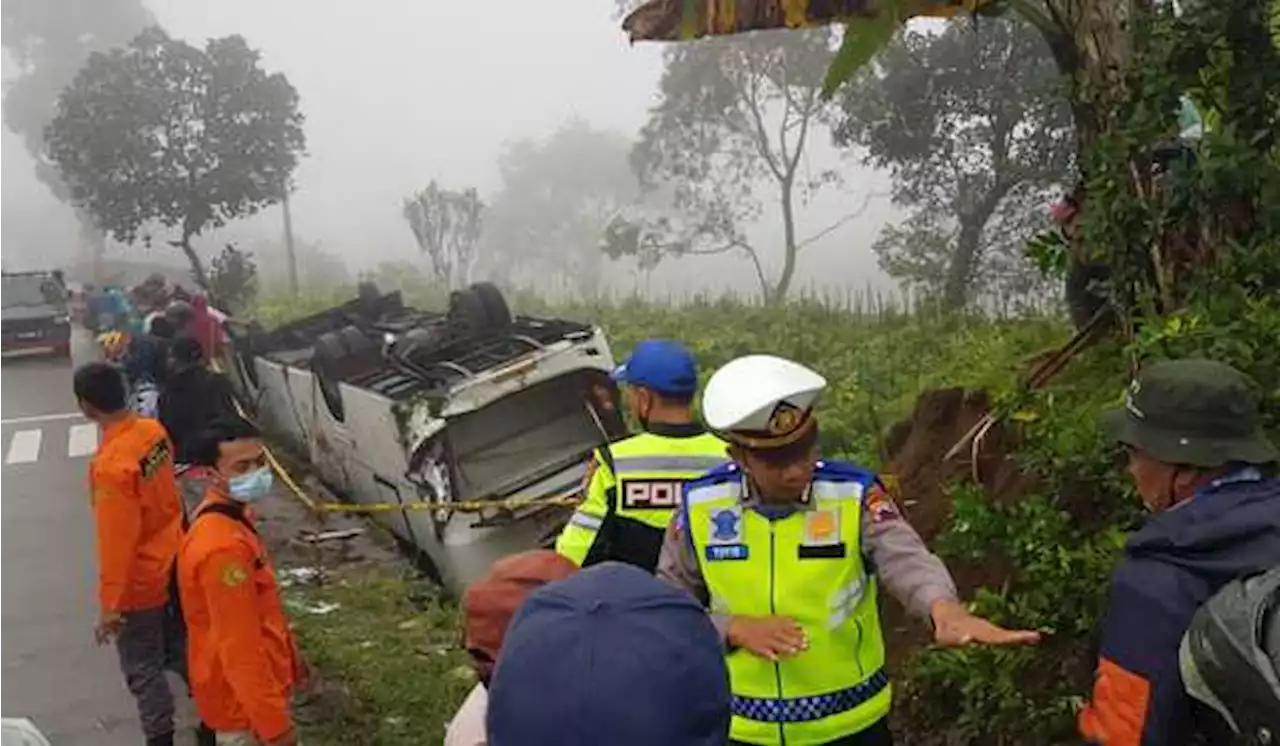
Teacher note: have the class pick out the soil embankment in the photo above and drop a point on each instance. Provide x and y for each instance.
(917, 449)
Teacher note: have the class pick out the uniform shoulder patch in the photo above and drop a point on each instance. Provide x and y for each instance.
(879, 505)
(233, 574)
(155, 457)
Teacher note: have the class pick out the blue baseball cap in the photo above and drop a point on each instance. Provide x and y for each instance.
(665, 366)
(610, 655)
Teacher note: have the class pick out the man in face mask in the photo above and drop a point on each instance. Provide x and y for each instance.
(1192, 432)
(243, 659)
(633, 486)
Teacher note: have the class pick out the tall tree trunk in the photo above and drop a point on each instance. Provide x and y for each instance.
(1092, 42)
(779, 293)
(198, 272)
(94, 243)
(964, 262)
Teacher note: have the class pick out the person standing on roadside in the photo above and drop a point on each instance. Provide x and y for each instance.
(138, 521)
(1192, 430)
(193, 398)
(787, 552)
(633, 485)
(487, 608)
(243, 660)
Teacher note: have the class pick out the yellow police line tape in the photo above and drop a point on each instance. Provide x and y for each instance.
(463, 506)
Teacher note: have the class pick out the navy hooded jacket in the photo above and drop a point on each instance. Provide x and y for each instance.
(1170, 567)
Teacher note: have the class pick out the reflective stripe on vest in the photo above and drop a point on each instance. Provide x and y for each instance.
(808, 566)
(650, 472)
(586, 520)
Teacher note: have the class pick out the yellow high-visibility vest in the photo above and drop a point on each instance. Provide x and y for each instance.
(642, 488)
(808, 566)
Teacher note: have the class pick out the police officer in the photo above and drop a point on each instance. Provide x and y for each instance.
(633, 485)
(787, 552)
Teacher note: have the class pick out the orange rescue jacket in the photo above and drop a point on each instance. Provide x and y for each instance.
(137, 514)
(241, 655)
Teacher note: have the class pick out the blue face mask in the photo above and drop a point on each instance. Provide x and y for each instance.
(251, 487)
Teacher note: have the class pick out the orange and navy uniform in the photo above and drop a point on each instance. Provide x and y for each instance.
(137, 515)
(1171, 566)
(241, 655)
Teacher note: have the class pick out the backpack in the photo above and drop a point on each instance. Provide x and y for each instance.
(1230, 656)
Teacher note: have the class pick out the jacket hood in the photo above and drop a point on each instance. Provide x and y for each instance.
(1229, 529)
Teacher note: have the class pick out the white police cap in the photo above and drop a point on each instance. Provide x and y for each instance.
(762, 401)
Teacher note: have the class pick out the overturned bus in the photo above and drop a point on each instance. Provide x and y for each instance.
(396, 405)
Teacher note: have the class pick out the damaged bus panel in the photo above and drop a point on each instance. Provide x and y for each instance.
(391, 404)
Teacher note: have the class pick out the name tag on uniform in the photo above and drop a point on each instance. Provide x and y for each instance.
(719, 552)
(826, 551)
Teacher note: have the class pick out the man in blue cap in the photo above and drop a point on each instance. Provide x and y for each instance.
(610, 655)
(633, 485)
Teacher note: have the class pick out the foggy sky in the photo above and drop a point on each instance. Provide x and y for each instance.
(398, 92)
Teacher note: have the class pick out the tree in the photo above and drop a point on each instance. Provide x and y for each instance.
(734, 115)
(233, 279)
(447, 224)
(977, 132)
(49, 41)
(163, 132)
(557, 196)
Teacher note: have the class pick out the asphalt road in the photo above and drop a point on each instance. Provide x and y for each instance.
(53, 672)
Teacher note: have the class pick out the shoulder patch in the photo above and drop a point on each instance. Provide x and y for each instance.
(102, 493)
(155, 458)
(879, 505)
(234, 574)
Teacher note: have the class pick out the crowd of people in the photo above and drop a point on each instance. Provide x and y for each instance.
(185, 582)
(717, 585)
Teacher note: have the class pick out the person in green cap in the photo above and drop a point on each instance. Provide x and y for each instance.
(1203, 467)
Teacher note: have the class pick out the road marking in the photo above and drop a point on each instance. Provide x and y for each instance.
(82, 440)
(42, 418)
(24, 448)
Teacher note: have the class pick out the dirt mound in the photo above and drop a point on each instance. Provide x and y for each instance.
(917, 447)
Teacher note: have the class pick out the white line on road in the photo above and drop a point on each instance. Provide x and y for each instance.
(24, 448)
(82, 440)
(42, 418)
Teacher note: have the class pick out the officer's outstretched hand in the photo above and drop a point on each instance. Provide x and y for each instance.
(954, 626)
(771, 637)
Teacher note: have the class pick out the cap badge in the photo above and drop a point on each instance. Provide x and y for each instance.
(785, 419)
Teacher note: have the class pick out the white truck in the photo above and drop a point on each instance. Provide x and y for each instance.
(396, 405)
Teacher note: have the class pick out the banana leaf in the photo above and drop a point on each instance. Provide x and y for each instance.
(682, 20)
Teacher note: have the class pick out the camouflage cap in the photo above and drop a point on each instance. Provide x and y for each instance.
(1193, 412)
